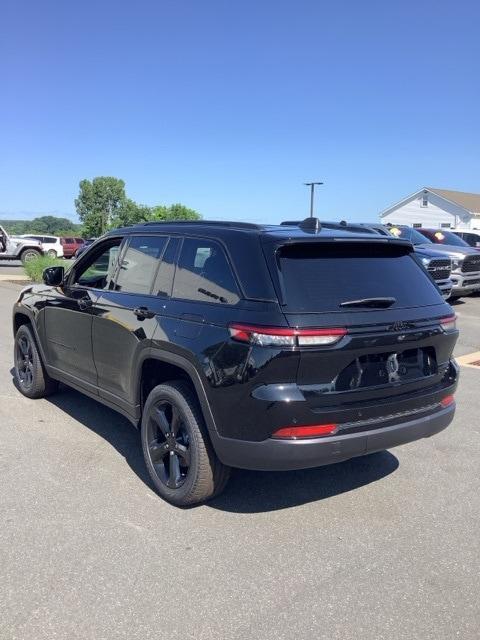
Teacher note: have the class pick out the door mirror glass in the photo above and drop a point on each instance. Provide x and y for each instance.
(53, 276)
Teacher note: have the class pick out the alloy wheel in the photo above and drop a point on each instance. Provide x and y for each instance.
(30, 255)
(24, 361)
(168, 444)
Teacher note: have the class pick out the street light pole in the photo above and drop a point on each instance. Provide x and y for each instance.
(312, 194)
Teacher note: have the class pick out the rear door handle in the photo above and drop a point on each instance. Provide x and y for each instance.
(142, 313)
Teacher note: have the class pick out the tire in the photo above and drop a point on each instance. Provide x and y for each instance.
(30, 375)
(177, 450)
(29, 254)
(52, 253)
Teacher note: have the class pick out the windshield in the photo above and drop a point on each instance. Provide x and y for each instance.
(447, 237)
(320, 277)
(412, 235)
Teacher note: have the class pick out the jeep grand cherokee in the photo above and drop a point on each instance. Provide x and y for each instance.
(242, 345)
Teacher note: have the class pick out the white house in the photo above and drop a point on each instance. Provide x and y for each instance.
(436, 208)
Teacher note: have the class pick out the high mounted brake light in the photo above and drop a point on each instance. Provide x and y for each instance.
(284, 336)
(449, 324)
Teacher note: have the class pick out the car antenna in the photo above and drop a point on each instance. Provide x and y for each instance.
(310, 225)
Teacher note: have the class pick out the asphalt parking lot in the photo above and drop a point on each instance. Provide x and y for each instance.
(387, 546)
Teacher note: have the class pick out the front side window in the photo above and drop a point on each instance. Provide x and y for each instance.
(99, 270)
(204, 274)
(139, 264)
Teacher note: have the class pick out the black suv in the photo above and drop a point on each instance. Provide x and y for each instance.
(242, 345)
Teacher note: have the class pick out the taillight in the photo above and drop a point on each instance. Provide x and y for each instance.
(449, 324)
(309, 431)
(447, 401)
(283, 336)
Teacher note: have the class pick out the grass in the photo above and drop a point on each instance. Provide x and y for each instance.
(34, 268)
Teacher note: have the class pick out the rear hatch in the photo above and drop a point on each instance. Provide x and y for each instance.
(389, 306)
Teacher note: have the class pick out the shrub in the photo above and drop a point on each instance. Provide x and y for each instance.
(34, 268)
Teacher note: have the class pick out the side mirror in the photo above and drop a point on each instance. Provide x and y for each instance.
(53, 276)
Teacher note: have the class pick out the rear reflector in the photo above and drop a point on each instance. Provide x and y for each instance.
(449, 324)
(447, 401)
(310, 431)
(284, 336)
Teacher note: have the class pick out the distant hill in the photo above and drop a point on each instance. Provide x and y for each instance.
(51, 225)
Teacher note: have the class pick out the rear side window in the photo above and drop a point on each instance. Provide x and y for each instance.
(67, 240)
(49, 240)
(164, 280)
(139, 264)
(320, 277)
(204, 274)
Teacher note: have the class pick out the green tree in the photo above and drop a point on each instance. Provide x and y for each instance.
(51, 225)
(174, 212)
(131, 213)
(99, 202)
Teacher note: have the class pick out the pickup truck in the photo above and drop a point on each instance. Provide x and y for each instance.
(14, 248)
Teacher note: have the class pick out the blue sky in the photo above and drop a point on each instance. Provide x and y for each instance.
(228, 107)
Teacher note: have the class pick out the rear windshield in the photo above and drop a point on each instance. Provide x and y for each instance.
(447, 237)
(407, 233)
(320, 277)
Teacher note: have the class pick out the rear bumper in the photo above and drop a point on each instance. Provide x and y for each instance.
(282, 455)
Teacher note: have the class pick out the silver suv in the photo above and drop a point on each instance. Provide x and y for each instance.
(14, 248)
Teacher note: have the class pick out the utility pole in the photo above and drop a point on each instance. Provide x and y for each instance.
(312, 194)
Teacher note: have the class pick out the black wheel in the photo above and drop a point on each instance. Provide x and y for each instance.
(176, 447)
(29, 254)
(30, 375)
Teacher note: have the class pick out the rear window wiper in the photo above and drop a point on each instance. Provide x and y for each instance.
(379, 303)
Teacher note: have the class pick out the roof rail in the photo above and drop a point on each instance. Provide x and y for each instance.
(210, 223)
(327, 225)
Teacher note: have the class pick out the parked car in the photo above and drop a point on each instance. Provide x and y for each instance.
(472, 238)
(51, 245)
(16, 248)
(244, 345)
(465, 274)
(70, 246)
(84, 246)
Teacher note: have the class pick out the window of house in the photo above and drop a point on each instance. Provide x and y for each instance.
(425, 200)
(417, 225)
(139, 264)
(445, 225)
(204, 274)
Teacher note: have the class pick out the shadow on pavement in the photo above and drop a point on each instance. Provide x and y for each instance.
(247, 491)
(260, 491)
